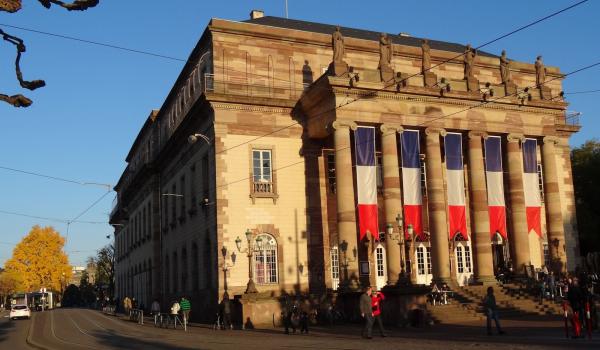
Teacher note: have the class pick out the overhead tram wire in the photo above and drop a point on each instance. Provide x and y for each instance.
(57, 220)
(582, 92)
(429, 121)
(55, 178)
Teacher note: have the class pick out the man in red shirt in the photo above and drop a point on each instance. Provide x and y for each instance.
(376, 299)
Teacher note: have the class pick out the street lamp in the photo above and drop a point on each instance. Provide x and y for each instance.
(345, 261)
(225, 266)
(398, 237)
(249, 250)
(194, 137)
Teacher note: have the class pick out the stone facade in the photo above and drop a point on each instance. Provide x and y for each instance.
(278, 166)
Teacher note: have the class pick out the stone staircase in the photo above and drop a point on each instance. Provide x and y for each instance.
(514, 300)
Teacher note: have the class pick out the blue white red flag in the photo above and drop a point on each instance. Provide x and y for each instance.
(457, 219)
(411, 182)
(533, 202)
(366, 181)
(495, 185)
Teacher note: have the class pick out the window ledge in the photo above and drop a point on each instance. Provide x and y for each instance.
(255, 195)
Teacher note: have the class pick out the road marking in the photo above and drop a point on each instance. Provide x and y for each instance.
(62, 340)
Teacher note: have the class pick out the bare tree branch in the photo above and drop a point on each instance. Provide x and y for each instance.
(16, 100)
(10, 5)
(77, 5)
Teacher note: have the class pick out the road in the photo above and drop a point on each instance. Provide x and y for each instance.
(88, 329)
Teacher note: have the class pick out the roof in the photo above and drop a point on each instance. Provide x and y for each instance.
(358, 33)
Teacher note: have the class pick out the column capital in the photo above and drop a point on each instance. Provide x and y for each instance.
(553, 140)
(341, 124)
(433, 130)
(515, 137)
(391, 129)
(474, 134)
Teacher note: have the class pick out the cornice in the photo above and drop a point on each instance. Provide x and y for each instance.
(450, 101)
(250, 108)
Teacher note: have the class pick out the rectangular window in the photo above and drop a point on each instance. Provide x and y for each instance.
(205, 193)
(540, 180)
(379, 257)
(144, 223)
(429, 260)
(192, 195)
(459, 259)
(331, 174)
(468, 258)
(173, 199)
(182, 200)
(262, 177)
(335, 268)
(420, 261)
(423, 176)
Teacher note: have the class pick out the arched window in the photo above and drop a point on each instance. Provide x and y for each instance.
(265, 259)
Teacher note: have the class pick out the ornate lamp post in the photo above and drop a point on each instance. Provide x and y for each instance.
(249, 250)
(345, 261)
(225, 266)
(398, 237)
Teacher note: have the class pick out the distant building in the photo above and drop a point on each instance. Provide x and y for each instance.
(469, 171)
(76, 274)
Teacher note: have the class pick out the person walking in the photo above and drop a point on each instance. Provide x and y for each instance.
(366, 311)
(491, 311)
(226, 311)
(155, 310)
(175, 307)
(376, 300)
(575, 297)
(186, 306)
(286, 315)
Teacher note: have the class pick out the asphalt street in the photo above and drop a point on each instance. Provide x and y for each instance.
(88, 329)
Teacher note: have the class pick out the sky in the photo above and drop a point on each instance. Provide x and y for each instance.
(82, 124)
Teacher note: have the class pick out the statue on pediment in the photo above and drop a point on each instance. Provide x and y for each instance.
(385, 51)
(337, 42)
(505, 68)
(426, 61)
(540, 72)
(469, 61)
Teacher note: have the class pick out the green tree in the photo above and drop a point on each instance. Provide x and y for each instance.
(105, 270)
(585, 160)
(39, 260)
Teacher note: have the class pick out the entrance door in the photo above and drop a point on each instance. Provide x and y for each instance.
(464, 265)
(498, 253)
(423, 259)
(380, 268)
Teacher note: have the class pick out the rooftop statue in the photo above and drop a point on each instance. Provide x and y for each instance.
(337, 42)
(505, 68)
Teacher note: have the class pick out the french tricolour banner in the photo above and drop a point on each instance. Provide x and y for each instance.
(533, 202)
(366, 181)
(411, 182)
(457, 219)
(495, 185)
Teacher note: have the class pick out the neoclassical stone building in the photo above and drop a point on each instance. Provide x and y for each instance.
(470, 151)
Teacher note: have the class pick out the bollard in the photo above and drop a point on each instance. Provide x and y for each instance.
(566, 314)
(588, 321)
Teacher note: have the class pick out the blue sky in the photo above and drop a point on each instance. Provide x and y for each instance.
(83, 122)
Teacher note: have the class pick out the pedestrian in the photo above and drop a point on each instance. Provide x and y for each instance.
(127, 306)
(366, 311)
(491, 311)
(542, 286)
(186, 306)
(551, 283)
(175, 307)
(226, 311)
(303, 321)
(155, 310)
(286, 315)
(575, 297)
(376, 300)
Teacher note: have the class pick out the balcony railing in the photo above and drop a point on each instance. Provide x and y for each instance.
(242, 87)
(263, 188)
(569, 121)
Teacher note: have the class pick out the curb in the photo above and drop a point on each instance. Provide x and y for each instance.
(29, 340)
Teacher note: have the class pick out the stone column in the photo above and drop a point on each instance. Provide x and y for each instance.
(346, 208)
(480, 219)
(438, 224)
(518, 237)
(556, 230)
(392, 198)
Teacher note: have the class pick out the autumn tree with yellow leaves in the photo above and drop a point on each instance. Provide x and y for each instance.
(39, 261)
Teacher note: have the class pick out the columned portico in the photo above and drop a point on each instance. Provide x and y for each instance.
(556, 231)
(346, 212)
(437, 206)
(519, 241)
(484, 269)
(392, 197)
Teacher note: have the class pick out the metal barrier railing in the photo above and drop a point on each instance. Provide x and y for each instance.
(136, 315)
(110, 310)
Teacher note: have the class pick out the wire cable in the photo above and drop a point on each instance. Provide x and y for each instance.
(55, 178)
(582, 92)
(62, 221)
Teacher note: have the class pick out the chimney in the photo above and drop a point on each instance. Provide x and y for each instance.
(254, 14)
